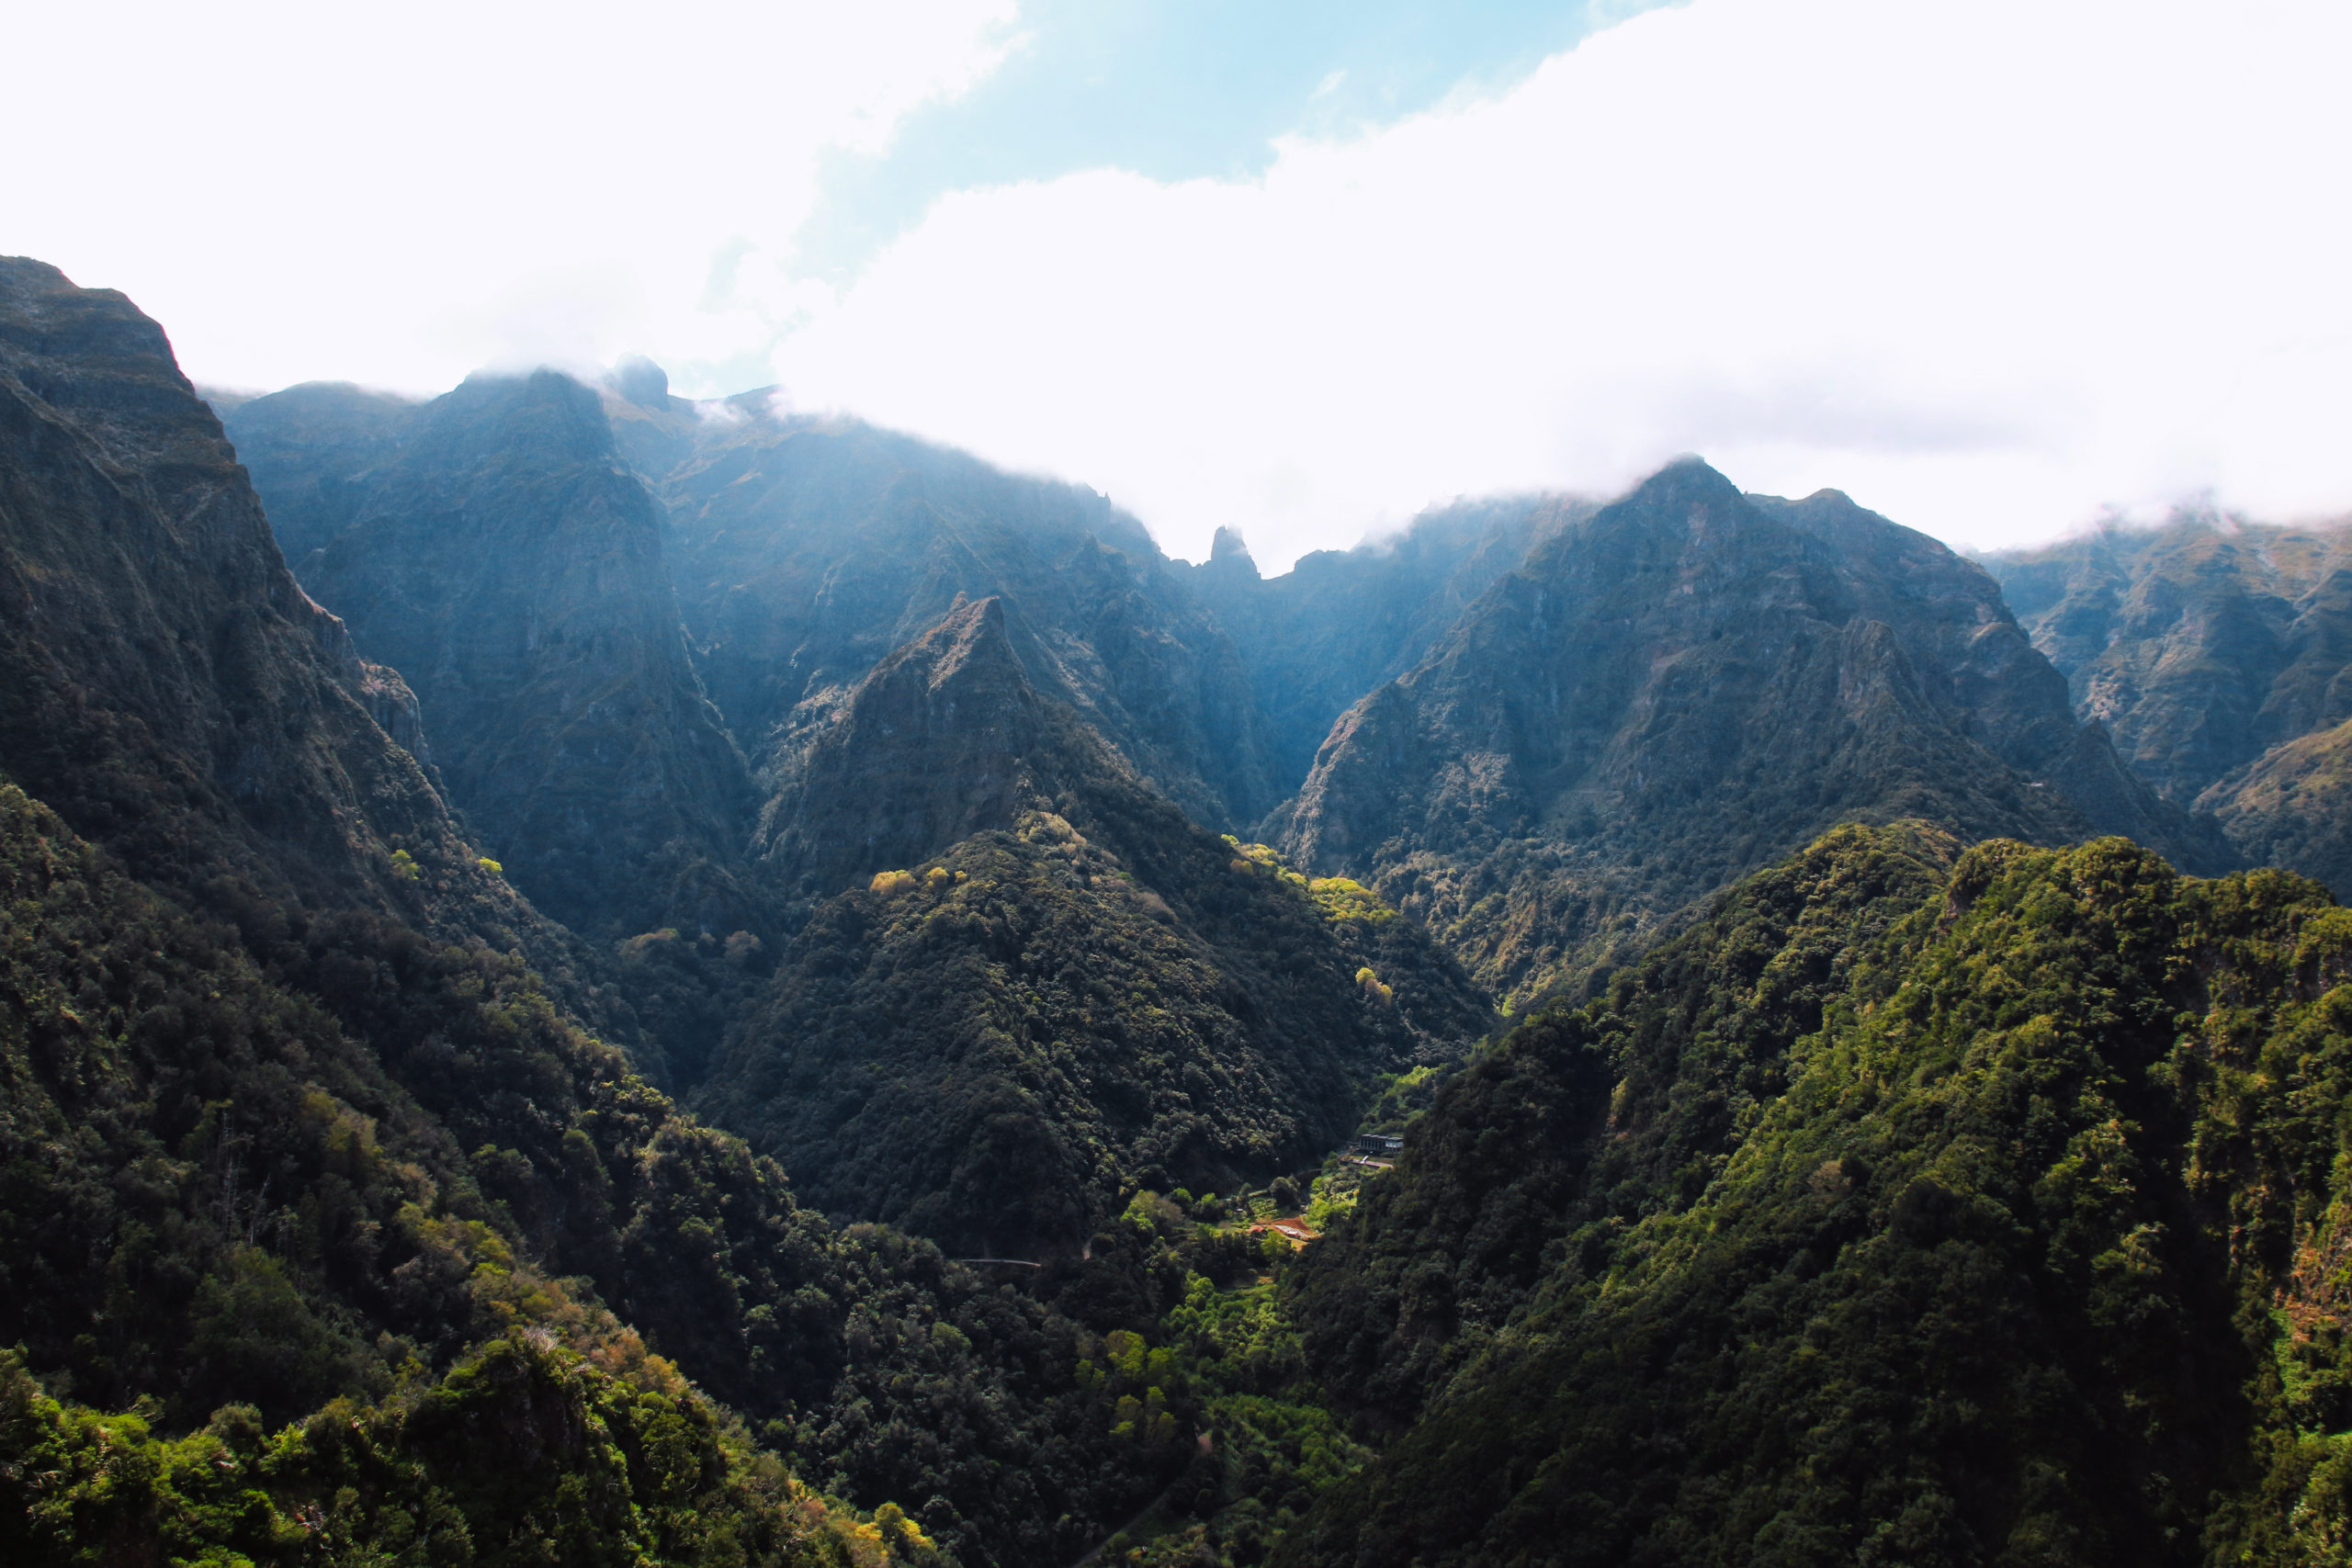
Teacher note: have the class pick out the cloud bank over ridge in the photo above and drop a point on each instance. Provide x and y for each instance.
(1991, 268)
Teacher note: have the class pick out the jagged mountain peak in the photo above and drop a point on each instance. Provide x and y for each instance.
(480, 418)
(945, 738)
(1680, 680)
(969, 639)
(805, 550)
(1229, 552)
(642, 382)
(165, 685)
(494, 546)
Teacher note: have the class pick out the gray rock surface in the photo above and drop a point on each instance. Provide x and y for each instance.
(2201, 645)
(167, 687)
(493, 547)
(1678, 688)
(806, 549)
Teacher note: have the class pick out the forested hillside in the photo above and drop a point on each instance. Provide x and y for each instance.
(306, 1166)
(1888, 1214)
(1047, 989)
(321, 1158)
(924, 1127)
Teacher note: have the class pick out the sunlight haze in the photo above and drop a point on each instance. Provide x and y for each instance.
(1996, 270)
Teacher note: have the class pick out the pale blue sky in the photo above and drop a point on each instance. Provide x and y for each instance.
(1181, 89)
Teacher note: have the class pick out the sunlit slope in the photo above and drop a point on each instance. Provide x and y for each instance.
(1887, 1212)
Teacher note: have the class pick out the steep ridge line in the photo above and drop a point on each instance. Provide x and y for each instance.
(1678, 688)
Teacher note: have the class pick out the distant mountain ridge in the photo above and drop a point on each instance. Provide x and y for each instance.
(1679, 687)
(2219, 651)
(1341, 622)
(2200, 644)
(804, 549)
(492, 543)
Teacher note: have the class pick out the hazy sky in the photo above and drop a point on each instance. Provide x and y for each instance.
(1302, 267)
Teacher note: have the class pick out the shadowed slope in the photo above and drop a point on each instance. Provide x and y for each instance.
(165, 685)
(1048, 986)
(492, 544)
(1342, 622)
(1676, 689)
(807, 549)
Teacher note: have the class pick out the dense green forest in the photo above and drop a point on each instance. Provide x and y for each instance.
(1917, 1204)
(1887, 1215)
(990, 1156)
(997, 1047)
(215, 1194)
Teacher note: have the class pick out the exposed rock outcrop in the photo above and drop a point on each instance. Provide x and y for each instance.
(1674, 690)
(165, 685)
(2200, 645)
(492, 546)
(807, 549)
(2220, 654)
(1342, 622)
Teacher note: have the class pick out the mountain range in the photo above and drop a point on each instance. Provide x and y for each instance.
(599, 975)
(2215, 651)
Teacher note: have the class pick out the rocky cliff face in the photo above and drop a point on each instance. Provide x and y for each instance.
(165, 685)
(1031, 983)
(1673, 691)
(1342, 622)
(2200, 645)
(804, 550)
(493, 547)
(310, 451)
(2220, 654)
(945, 738)
(1985, 674)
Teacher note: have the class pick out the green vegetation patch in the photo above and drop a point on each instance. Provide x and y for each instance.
(282, 1159)
(1886, 1216)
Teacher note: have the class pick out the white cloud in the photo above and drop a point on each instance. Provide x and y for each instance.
(397, 193)
(1990, 267)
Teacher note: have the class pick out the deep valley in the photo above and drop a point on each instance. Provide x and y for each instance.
(597, 977)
